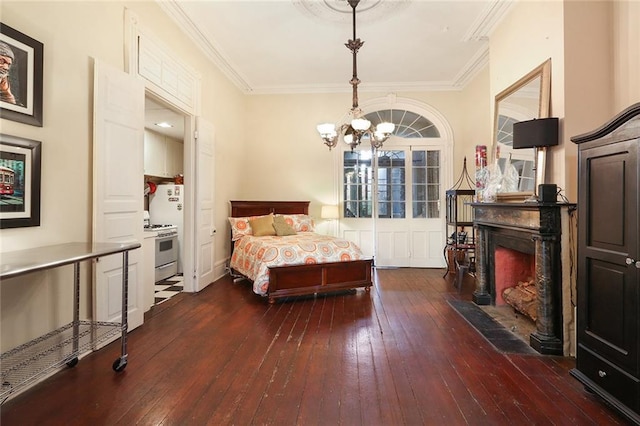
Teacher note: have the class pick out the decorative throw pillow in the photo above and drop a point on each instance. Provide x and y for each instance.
(300, 222)
(282, 227)
(262, 226)
(239, 227)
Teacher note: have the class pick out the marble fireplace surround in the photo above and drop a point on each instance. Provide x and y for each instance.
(535, 228)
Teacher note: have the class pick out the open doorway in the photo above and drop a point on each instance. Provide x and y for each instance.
(165, 198)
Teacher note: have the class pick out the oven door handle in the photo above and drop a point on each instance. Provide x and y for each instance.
(168, 265)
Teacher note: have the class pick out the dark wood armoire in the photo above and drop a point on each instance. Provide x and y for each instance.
(608, 353)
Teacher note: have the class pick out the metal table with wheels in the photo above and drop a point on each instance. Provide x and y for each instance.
(32, 360)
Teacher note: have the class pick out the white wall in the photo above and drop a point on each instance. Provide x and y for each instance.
(626, 53)
(73, 33)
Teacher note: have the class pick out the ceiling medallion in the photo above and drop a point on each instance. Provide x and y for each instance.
(339, 11)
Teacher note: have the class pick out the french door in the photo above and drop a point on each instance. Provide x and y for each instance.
(392, 202)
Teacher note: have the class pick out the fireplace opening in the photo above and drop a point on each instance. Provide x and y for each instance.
(514, 281)
(511, 268)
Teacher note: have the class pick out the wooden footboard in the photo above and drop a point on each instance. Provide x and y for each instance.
(318, 278)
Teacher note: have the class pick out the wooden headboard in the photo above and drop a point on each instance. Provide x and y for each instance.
(259, 208)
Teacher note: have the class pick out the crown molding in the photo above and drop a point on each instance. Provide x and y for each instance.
(175, 12)
(491, 16)
(476, 64)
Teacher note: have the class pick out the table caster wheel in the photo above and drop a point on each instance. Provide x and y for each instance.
(119, 364)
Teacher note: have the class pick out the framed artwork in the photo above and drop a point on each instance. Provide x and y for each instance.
(21, 60)
(20, 174)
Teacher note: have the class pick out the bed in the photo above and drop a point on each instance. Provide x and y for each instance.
(304, 275)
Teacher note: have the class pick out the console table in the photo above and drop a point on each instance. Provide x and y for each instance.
(30, 361)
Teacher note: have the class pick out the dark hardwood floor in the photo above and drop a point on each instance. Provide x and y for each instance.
(399, 355)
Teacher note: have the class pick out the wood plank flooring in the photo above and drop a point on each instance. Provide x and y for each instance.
(399, 355)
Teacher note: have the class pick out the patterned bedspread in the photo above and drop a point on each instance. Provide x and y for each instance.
(252, 256)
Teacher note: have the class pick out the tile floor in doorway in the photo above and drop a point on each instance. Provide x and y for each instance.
(166, 289)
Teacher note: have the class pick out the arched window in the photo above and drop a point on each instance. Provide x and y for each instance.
(408, 124)
(408, 181)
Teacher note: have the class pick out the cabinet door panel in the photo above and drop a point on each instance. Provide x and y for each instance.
(154, 154)
(174, 157)
(608, 225)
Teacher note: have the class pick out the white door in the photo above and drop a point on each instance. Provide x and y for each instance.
(204, 220)
(118, 138)
(402, 188)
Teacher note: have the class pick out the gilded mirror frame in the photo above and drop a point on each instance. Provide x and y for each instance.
(523, 87)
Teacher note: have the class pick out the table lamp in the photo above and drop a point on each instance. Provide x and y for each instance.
(537, 134)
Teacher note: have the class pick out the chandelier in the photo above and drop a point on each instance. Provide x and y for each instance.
(357, 128)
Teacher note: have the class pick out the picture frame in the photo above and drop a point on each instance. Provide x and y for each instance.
(21, 90)
(20, 182)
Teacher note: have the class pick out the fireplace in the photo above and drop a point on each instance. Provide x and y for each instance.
(522, 243)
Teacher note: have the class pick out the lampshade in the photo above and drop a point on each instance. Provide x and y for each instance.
(360, 124)
(535, 133)
(330, 212)
(327, 129)
(385, 127)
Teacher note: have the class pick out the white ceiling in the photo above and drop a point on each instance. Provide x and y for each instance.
(297, 46)
(155, 113)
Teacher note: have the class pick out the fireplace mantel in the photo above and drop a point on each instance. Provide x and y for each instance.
(527, 227)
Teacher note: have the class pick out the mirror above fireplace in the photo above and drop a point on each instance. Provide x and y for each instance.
(526, 99)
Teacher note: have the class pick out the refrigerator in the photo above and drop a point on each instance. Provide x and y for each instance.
(166, 207)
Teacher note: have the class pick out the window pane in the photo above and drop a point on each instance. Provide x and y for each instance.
(419, 175)
(365, 209)
(418, 158)
(408, 124)
(350, 209)
(397, 175)
(433, 175)
(399, 210)
(384, 193)
(398, 192)
(433, 158)
(426, 183)
(433, 210)
(419, 193)
(384, 210)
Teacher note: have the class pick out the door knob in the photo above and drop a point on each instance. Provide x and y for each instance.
(630, 261)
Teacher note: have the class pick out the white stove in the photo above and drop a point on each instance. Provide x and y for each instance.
(166, 251)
